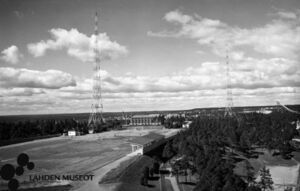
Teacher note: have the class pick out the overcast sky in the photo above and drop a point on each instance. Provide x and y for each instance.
(156, 54)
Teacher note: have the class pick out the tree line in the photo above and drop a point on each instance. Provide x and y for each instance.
(10, 130)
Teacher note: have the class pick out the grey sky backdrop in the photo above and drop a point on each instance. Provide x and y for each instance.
(156, 54)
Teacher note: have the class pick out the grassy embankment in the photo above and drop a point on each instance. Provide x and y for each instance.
(127, 176)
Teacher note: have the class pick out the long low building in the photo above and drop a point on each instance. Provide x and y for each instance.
(151, 119)
(146, 143)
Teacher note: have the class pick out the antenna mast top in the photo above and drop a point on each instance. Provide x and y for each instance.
(96, 119)
(229, 99)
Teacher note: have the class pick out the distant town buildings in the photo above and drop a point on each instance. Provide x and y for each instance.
(186, 124)
(170, 115)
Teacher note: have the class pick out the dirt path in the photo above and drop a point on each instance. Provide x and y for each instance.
(173, 181)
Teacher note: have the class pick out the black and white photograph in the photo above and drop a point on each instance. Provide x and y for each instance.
(150, 95)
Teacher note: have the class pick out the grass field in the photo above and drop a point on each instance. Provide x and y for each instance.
(71, 155)
(64, 155)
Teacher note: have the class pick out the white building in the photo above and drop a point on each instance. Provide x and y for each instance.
(151, 119)
(72, 133)
(186, 124)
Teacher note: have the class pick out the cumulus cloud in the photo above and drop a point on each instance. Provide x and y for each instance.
(140, 100)
(11, 55)
(202, 86)
(177, 17)
(53, 79)
(78, 45)
(5, 92)
(247, 74)
(274, 73)
(287, 14)
(55, 101)
(280, 37)
(264, 60)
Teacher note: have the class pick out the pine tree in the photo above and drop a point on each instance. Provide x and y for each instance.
(265, 182)
(168, 151)
(249, 172)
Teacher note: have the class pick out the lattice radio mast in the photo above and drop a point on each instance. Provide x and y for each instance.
(229, 99)
(96, 119)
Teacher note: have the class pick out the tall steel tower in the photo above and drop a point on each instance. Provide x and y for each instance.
(96, 119)
(229, 99)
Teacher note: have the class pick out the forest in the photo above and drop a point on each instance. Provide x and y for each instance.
(209, 148)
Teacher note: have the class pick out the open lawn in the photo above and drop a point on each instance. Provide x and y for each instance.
(64, 155)
(283, 172)
(266, 159)
(72, 155)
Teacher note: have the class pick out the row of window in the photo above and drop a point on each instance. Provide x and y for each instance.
(143, 120)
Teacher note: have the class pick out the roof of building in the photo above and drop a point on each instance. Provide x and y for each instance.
(145, 116)
(143, 140)
(154, 136)
(295, 139)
